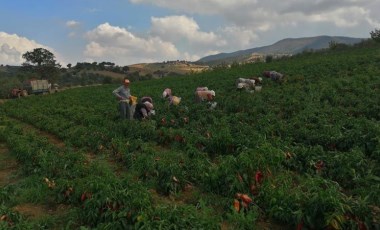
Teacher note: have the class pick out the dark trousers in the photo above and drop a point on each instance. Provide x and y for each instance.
(125, 111)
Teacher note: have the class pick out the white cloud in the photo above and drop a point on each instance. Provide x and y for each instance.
(74, 29)
(72, 24)
(198, 6)
(177, 28)
(12, 47)
(118, 45)
(349, 17)
(272, 15)
(238, 37)
(192, 42)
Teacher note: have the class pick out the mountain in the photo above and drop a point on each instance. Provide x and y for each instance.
(287, 46)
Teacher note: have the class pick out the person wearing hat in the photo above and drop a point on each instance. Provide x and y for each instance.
(202, 95)
(167, 93)
(173, 100)
(258, 80)
(275, 76)
(123, 95)
(143, 110)
(146, 98)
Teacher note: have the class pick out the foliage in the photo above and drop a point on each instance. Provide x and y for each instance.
(375, 35)
(40, 56)
(306, 152)
(43, 62)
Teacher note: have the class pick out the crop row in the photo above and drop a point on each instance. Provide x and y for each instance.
(306, 151)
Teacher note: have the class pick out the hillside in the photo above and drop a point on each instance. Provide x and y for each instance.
(285, 46)
(300, 154)
(93, 74)
(165, 69)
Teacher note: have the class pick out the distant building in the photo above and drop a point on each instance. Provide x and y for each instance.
(255, 57)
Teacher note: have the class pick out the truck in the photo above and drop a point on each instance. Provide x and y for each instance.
(33, 87)
(37, 86)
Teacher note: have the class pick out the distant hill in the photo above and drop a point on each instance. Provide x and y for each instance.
(166, 68)
(286, 46)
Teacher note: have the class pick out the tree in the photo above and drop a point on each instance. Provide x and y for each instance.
(43, 62)
(333, 45)
(125, 69)
(268, 58)
(375, 35)
(40, 56)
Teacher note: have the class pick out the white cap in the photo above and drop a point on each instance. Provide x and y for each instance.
(260, 78)
(240, 85)
(164, 94)
(212, 92)
(149, 105)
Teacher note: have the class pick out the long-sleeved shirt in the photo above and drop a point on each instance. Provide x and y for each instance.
(167, 93)
(122, 92)
(275, 76)
(203, 95)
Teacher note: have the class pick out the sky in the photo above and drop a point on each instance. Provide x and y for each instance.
(128, 32)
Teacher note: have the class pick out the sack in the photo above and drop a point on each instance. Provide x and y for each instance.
(133, 100)
(176, 100)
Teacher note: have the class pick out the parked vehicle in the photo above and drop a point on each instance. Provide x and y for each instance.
(37, 86)
(17, 93)
(33, 87)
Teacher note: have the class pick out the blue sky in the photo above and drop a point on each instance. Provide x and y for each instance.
(135, 31)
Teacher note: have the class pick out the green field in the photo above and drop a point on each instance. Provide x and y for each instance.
(306, 152)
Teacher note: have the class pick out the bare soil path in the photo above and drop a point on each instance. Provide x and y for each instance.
(8, 166)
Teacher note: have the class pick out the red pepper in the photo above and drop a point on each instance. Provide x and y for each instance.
(83, 197)
(253, 189)
(259, 177)
(299, 226)
(246, 199)
(362, 226)
(237, 205)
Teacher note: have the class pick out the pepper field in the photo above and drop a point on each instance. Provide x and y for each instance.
(303, 154)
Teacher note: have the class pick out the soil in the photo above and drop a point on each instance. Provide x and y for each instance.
(52, 139)
(8, 166)
(36, 211)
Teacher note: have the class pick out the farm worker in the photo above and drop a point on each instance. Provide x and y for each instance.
(167, 93)
(146, 98)
(173, 100)
(247, 84)
(123, 94)
(242, 85)
(16, 92)
(201, 88)
(202, 95)
(258, 80)
(143, 110)
(275, 76)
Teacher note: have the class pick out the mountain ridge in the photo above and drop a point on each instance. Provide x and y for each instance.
(288, 46)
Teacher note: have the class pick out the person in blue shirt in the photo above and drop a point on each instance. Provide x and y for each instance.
(123, 95)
